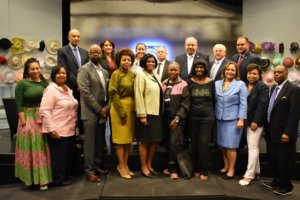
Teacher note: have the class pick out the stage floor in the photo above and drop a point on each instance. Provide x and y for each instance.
(161, 187)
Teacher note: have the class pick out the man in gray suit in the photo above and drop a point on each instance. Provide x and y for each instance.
(216, 67)
(72, 57)
(93, 83)
(186, 59)
(163, 63)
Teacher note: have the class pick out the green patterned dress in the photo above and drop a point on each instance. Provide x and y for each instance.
(32, 159)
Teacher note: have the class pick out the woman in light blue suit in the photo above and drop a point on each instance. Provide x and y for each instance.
(231, 112)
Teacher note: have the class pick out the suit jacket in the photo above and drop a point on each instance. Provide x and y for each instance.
(105, 65)
(258, 99)
(182, 60)
(65, 57)
(165, 74)
(147, 94)
(232, 104)
(247, 59)
(285, 114)
(220, 70)
(93, 95)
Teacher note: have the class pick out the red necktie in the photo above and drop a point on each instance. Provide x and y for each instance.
(240, 60)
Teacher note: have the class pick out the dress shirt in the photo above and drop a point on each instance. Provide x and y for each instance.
(102, 79)
(76, 53)
(280, 87)
(160, 66)
(215, 68)
(190, 60)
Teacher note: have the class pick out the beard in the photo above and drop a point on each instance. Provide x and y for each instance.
(95, 60)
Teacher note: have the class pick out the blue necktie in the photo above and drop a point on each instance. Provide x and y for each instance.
(271, 103)
(76, 54)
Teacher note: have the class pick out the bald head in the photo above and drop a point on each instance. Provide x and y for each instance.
(280, 74)
(74, 37)
(190, 45)
(95, 53)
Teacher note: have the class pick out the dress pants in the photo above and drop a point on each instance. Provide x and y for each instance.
(253, 138)
(93, 145)
(61, 158)
(281, 158)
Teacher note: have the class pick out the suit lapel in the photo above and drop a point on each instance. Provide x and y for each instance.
(281, 93)
(71, 54)
(230, 87)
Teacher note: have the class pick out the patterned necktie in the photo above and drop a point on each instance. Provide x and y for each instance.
(240, 60)
(76, 54)
(158, 68)
(272, 100)
(213, 70)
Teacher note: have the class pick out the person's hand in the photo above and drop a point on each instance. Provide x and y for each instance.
(23, 124)
(54, 135)
(104, 112)
(285, 138)
(240, 123)
(144, 121)
(253, 126)
(173, 124)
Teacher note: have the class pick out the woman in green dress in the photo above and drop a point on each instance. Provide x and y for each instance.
(32, 159)
(121, 93)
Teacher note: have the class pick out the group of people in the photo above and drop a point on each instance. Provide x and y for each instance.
(149, 98)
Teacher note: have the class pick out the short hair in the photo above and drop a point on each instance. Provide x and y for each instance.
(253, 66)
(55, 70)
(174, 63)
(143, 61)
(112, 44)
(199, 62)
(219, 45)
(124, 52)
(237, 75)
(27, 65)
(243, 37)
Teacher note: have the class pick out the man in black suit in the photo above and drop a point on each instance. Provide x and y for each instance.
(72, 57)
(163, 63)
(186, 59)
(282, 131)
(216, 67)
(244, 57)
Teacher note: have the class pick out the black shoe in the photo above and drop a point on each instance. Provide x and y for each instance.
(226, 177)
(222, 173)
(270, 184)
(149, 175)
(154, 173)
(283, 191)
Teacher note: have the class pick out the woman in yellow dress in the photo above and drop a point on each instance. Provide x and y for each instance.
(121, 92)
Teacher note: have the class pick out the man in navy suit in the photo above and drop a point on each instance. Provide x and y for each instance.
(282, 131)
(216, 66)
(186, 59)
(244, 57)
(163, 63)
(72, 57)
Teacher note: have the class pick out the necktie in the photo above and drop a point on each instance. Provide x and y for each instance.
(240, 60)
(271, 103)
(214, 70)
(77, 56)
(158, 68)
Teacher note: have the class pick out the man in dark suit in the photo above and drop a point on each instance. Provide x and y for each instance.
(244, 57)
(186, 59)
(163, 63)
(72, 57)
(93, 84)
(216, 67)
(282, 131)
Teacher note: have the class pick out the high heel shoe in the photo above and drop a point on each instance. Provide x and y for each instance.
(43, 187)
(149, 175)
(244, 183)
(126, 176)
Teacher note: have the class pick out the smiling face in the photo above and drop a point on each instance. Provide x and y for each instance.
(95, 54)
(230, 72)
(61, 76)
(190, 45)
(200, 71)
(34, 71)
(242, 45)
(107, 48)
(150, 64)
(140, 51)
(173, 71)
(253, 76)
(125, 62)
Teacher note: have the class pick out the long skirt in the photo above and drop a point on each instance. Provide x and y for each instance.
(32, 159)
(123, 134)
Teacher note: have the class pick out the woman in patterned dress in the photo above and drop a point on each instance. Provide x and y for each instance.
(32, 160)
